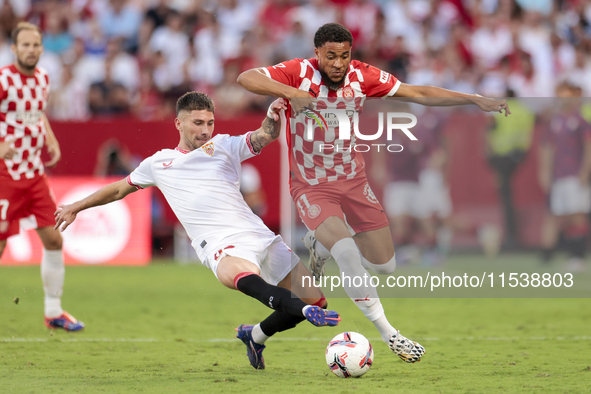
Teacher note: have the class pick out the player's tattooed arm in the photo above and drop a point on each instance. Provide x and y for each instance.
(270, 128)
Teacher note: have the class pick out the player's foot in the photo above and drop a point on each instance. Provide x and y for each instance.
(254, 351)
(65, 321)
(409, 351)
(322, 317)
(316, 263)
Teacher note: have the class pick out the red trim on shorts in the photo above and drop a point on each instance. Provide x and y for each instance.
(128, 179)
(321, 302)
(240, 276)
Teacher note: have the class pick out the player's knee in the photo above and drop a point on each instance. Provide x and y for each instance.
(382, 269)
(54, 243)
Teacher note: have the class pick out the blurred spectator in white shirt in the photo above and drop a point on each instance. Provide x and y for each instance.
(70, 101)
(173, 43)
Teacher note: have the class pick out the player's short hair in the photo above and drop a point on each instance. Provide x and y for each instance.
(332, 32)
(194, 101)
(24, 26)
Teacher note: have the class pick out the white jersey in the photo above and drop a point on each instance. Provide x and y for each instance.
(202, 188)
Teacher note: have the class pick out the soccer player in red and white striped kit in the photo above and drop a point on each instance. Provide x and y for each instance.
(24, 191)
(327, 185)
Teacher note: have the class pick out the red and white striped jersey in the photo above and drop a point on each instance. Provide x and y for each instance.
(23, 99)
(309, 164)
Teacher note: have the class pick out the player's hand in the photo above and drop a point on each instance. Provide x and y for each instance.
(6, 150)
(302, 102)
(64, 216)
(55, 154)
(492, 105)
(275, 107)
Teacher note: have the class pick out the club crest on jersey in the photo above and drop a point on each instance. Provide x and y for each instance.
(208, 148)
(348, 93)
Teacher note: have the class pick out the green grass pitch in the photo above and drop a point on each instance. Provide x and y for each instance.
(170, 328)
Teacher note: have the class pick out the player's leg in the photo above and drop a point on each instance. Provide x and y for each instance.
(297, 282)
(52, 264)
(3, 243)
(372, 238)
(53, 275)
(241, 274)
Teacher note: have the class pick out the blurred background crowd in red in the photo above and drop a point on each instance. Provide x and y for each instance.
(114, 57)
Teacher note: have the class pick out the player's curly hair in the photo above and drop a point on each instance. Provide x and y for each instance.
(332, 32)
(194, 101)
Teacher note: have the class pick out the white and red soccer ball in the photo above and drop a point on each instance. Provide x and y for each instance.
(349, 354)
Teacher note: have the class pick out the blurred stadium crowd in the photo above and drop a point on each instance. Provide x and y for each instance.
(114, 57)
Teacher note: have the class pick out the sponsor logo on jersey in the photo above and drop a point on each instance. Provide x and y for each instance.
(317, 116)
(280, 65)
(314, 211)
(384, 76)
(368, 193)
(167, 165)
(208, 148)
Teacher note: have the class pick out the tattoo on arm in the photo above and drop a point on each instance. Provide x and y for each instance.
(269, 132)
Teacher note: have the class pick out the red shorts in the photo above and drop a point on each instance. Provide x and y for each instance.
(352, 198)
(23, 198)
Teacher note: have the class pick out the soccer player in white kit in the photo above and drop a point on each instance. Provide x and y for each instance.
(200, 181)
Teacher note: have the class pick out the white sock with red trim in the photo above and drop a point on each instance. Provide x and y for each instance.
(52, 274)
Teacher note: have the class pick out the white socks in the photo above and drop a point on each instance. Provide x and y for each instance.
(258, 335)
(348, 258)
(52, 274)
(380, 269)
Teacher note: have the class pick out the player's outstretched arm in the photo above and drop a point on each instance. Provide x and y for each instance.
(255, 81)
(66, 214)
(435, 96)
(270, 128)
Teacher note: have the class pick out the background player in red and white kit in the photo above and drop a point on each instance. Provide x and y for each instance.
(564, 172)
(200, 180)
(326, 186)
(24, 191)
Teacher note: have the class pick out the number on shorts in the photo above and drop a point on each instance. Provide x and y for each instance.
(3, 209)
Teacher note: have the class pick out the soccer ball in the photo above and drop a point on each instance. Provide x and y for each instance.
(349, 354)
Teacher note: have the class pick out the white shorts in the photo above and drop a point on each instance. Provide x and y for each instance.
(401, 199)
(434, 198)
(568, 197)
(273, 257)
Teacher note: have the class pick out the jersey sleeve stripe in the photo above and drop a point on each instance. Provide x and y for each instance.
(128, 179)
(394, 90)
(250, 145)
(267, 73)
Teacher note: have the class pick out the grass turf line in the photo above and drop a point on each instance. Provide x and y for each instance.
(180, 307)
